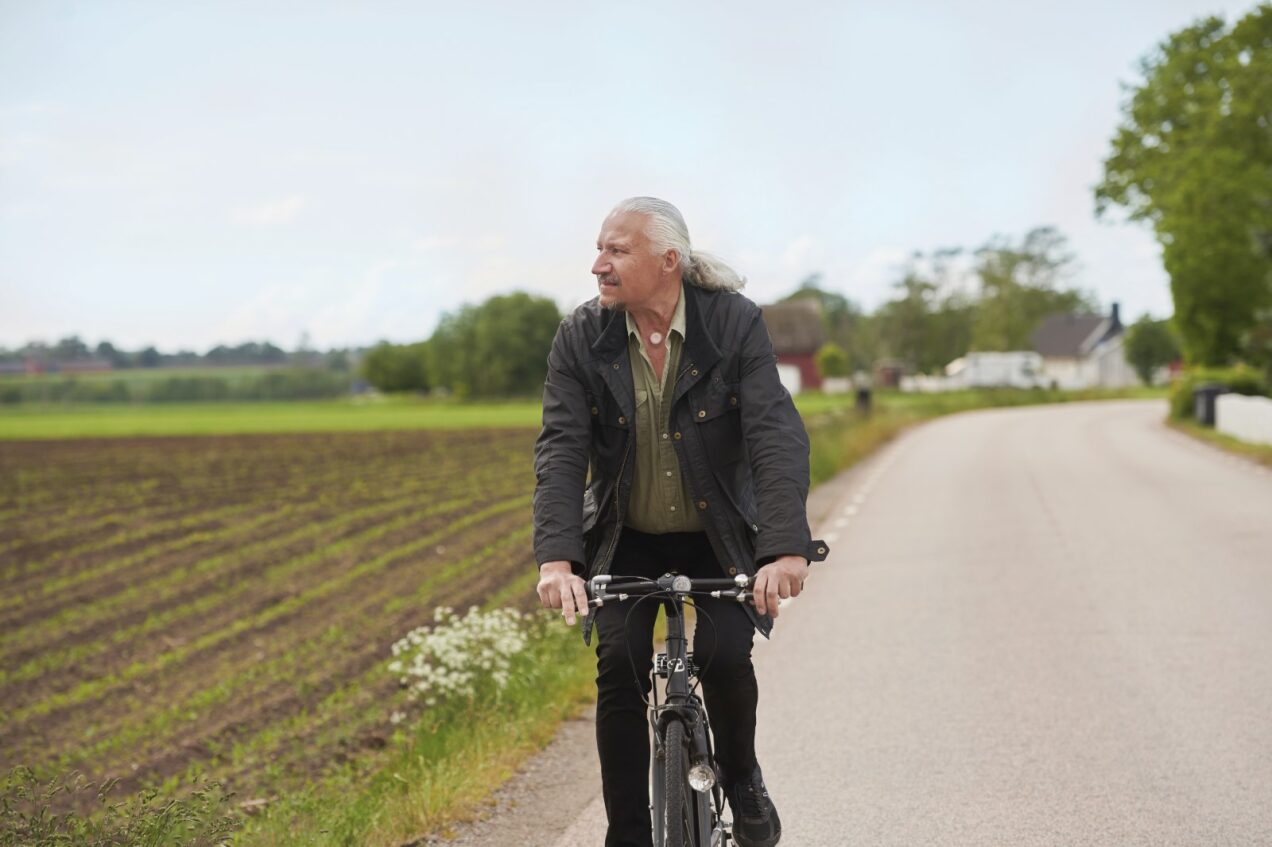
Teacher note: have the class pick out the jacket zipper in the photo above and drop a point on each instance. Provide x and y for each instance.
(618, 504)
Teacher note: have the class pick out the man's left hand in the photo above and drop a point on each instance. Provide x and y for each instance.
(779, 579)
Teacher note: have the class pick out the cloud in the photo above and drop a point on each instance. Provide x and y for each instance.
(19, 110)
(425, 243)
(272, 212)
(275, 313)
(799, 253)
(365, 312)
(476, 243)
(16, 146)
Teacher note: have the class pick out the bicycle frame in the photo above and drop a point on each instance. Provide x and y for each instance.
(680, 703)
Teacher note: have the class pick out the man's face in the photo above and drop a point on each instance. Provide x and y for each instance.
(627, 273)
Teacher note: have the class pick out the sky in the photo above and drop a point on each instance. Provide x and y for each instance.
(190, 174)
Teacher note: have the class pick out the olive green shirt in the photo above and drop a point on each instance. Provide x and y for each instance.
(660, 500)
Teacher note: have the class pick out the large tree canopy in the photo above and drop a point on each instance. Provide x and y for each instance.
(1193, 157)
(497, 348)
(1021, 283)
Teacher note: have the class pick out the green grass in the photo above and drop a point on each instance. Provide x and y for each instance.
(143, 375)
(1261, 453)
(411, 413)
(839, 437)
(352, 415)
(442, 768)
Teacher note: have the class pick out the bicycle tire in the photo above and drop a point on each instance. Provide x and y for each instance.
(680, 826)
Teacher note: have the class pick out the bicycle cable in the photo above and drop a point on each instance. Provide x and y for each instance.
(715, 641)
(631, 660)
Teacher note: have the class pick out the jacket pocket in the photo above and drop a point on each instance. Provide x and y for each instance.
(716, 409)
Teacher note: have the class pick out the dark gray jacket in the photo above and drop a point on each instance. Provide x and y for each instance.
(740, 441)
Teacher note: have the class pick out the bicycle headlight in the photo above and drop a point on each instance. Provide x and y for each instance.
(701, 777)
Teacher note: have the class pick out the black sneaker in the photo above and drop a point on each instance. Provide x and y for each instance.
(755, 821)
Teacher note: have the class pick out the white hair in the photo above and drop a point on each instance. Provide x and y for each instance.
(666, 230)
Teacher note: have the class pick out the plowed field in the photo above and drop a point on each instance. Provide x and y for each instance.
(226, 605)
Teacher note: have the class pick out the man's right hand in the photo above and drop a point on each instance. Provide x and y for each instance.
(560, 589)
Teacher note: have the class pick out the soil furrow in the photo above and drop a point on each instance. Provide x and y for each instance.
(227, 603)
(169, 687)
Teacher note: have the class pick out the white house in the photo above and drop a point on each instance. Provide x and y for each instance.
(1084, 351)
(1013, 369)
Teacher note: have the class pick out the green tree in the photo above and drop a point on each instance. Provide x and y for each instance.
(108, 352)
(499, 348)
(397, 367)
(1150, 345)
(1259, 346)
(904, 322)
(832, 360)
(1020, 284)
(70, 349)
(1193, 158)
(842, 319)
(930, 323)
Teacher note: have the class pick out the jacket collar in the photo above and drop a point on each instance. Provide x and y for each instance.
(699, 348)
(697, 357)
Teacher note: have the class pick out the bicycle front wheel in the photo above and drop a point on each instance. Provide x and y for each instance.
(680, 827)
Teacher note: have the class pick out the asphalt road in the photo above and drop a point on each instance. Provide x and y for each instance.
(1038, 626)
(1043, 626)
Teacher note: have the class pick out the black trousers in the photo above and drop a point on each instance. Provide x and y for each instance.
(722, 654)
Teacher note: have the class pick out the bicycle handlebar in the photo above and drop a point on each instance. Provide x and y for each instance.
(605, 587)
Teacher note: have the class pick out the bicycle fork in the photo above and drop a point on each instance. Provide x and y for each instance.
(681, 705)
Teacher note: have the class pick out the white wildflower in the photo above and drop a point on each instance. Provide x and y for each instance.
(458, 655)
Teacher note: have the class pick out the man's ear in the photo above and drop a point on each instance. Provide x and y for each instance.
(670, 261)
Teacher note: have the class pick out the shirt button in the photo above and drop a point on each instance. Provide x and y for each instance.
(595, 411)
(733, 401)
(676, 436)
(702, 505)
(732, 571)
(693, 372)
(664, 436)
(673, 508)
(821, 550)
(622, 419)
(615, 366)
(702, 414)
(668, 473)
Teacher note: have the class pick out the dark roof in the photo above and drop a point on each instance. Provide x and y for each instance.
(1066, 336)
(795, 327)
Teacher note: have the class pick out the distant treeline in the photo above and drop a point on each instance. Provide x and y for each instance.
(72, 351)
(946, 303)
(292, 384)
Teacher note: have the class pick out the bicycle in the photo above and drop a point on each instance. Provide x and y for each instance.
(686, 797)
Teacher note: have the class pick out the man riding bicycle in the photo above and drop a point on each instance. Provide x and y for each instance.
(665, 386)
